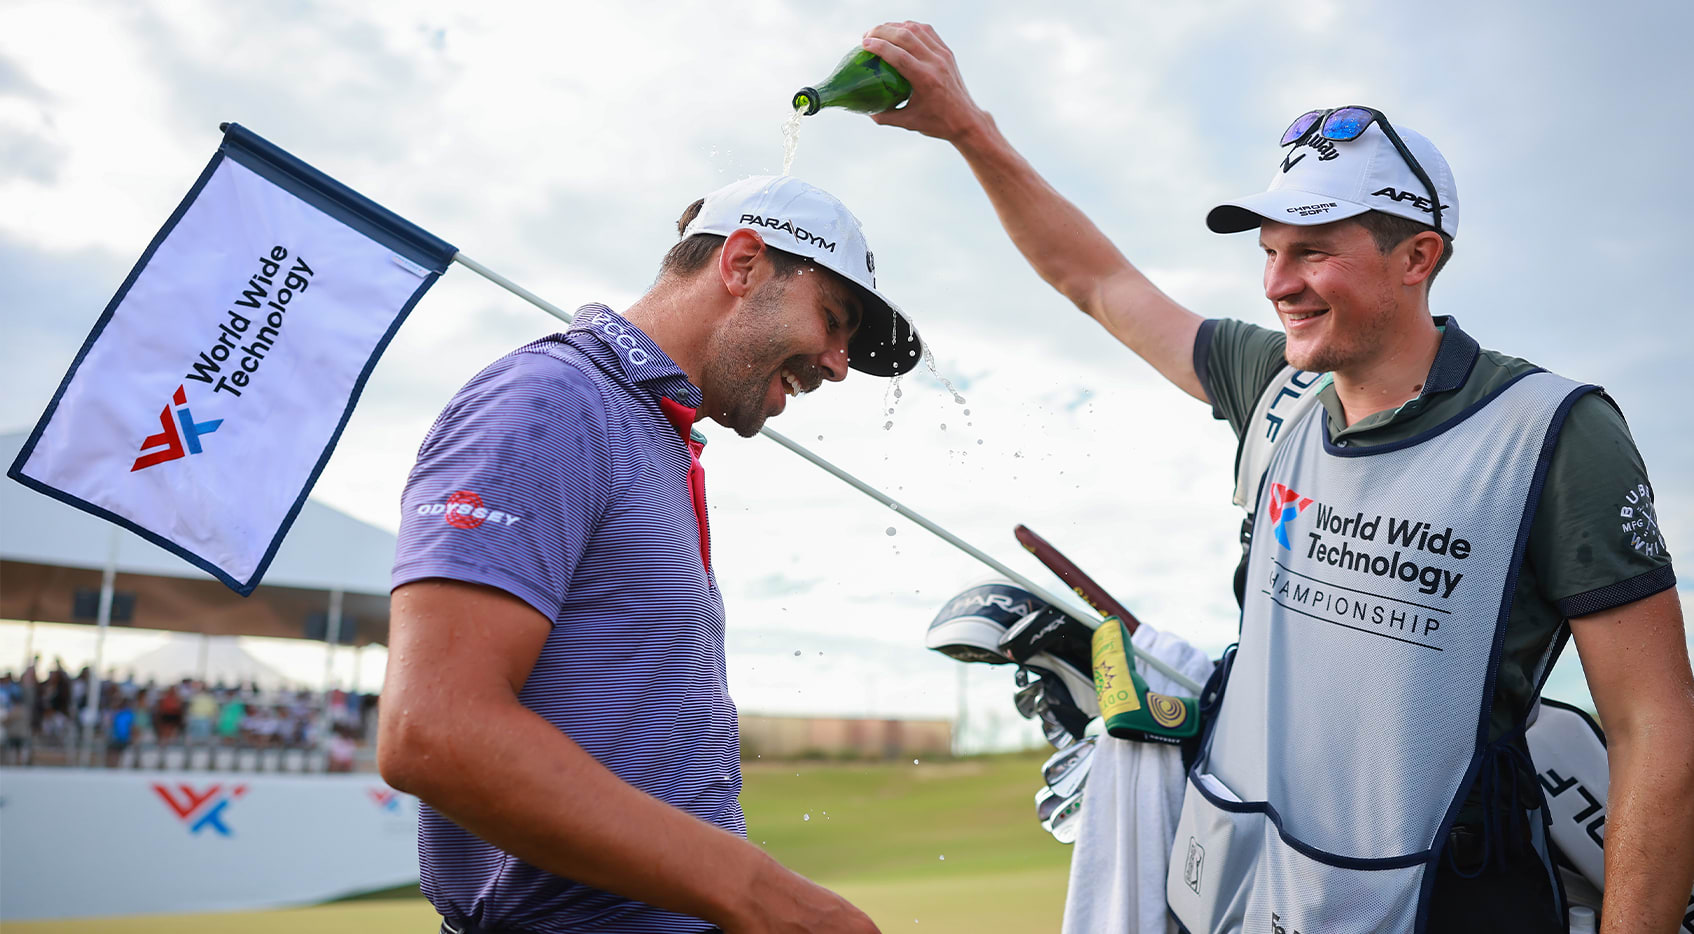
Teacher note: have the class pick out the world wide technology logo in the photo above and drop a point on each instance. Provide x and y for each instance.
(1284, 505)
(201, 809)
(177, 438)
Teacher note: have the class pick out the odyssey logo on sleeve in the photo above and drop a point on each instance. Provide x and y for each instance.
(172, 442)
(464, 509)
(1284, 505)
(201, 809)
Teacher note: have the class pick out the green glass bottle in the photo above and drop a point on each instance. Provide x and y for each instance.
(862, 83)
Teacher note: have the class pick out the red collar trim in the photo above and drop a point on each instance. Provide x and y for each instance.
(681, 416)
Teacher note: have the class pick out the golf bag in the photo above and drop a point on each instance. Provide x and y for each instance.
(1569, 751)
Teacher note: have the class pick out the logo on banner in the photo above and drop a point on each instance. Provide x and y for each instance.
(201, 809)
(1285, 504)
(387, 799)
(177, 438)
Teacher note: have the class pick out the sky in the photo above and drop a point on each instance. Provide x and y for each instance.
(557, 143)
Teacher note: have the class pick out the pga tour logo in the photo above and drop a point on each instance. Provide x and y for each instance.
(466, 510)
(201, 809)
(178, 437)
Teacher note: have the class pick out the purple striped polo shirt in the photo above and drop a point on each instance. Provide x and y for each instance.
(566, 475)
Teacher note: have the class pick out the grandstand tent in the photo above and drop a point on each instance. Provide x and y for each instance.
(329, 579)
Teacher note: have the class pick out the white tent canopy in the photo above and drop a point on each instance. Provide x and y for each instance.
(325, 550)
(216, 659)
(51, 553)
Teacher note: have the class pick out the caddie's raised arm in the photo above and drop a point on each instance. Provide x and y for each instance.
(1063, 245)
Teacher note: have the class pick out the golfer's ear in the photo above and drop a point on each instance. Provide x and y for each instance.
(739, 261)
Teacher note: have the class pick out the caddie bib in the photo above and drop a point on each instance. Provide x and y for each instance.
(1355, 717)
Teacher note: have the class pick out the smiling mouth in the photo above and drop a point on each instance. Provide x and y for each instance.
(799, 378)
(1306, 315)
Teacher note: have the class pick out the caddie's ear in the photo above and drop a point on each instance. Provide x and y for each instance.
(738, 262)
(1423, 252)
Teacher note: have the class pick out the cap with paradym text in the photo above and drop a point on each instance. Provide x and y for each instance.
(807, 221)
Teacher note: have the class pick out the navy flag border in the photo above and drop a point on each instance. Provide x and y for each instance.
(251, 151)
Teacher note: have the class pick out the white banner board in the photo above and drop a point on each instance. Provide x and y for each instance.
(103, 843)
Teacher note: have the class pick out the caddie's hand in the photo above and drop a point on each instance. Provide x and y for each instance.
(939, 106)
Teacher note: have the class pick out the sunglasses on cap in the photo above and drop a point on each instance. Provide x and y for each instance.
(1344, 124)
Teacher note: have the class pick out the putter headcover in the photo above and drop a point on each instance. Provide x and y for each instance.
(1131, 710)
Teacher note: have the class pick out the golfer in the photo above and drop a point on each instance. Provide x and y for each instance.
(1424, 541)
(556, 693)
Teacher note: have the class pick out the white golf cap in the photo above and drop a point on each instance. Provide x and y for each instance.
(807, 221)
(1319, 181)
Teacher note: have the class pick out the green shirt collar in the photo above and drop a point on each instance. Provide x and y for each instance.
(1454, 360)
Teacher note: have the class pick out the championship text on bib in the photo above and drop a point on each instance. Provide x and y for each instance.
(211, 392)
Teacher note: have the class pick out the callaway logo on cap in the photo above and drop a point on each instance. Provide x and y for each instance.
(1318, 181)
(807, 221)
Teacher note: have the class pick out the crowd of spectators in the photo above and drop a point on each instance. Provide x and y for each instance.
(51, 713)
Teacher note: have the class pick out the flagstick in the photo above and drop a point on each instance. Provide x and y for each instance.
(512, 287)
(1086, 619)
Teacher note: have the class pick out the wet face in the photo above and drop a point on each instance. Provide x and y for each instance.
(785, 338)
(1333, 291)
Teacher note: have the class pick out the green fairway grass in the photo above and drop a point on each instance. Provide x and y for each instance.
(877, 834)
(882, 822)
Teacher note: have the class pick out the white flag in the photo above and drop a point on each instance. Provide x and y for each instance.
(211, 392)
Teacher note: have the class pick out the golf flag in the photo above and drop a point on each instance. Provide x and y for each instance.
(207, 399)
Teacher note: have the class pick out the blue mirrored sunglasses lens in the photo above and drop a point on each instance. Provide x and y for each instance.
(1347, 123)
(1299, 127)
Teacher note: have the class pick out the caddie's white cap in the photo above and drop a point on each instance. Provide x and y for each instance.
(807, 221)
(1320, 181)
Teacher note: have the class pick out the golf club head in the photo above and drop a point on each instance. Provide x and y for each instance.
(969, 627)
(1078, 683)
(1052, 631)
(1062, 722)
(1045, 804)
(1057, 734)
(1031, 698)
(1065, 823)
(1066, 770)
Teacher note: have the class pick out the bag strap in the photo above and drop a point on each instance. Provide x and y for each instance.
(1290, 395)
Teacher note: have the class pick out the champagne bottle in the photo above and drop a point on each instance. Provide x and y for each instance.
(862, 83)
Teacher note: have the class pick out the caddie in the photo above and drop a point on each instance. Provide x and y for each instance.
(1424, 540)
(556, 693)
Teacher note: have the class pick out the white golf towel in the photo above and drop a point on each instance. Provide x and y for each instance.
(1129, 812)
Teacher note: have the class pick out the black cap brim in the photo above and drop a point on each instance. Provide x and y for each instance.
(885, 344)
